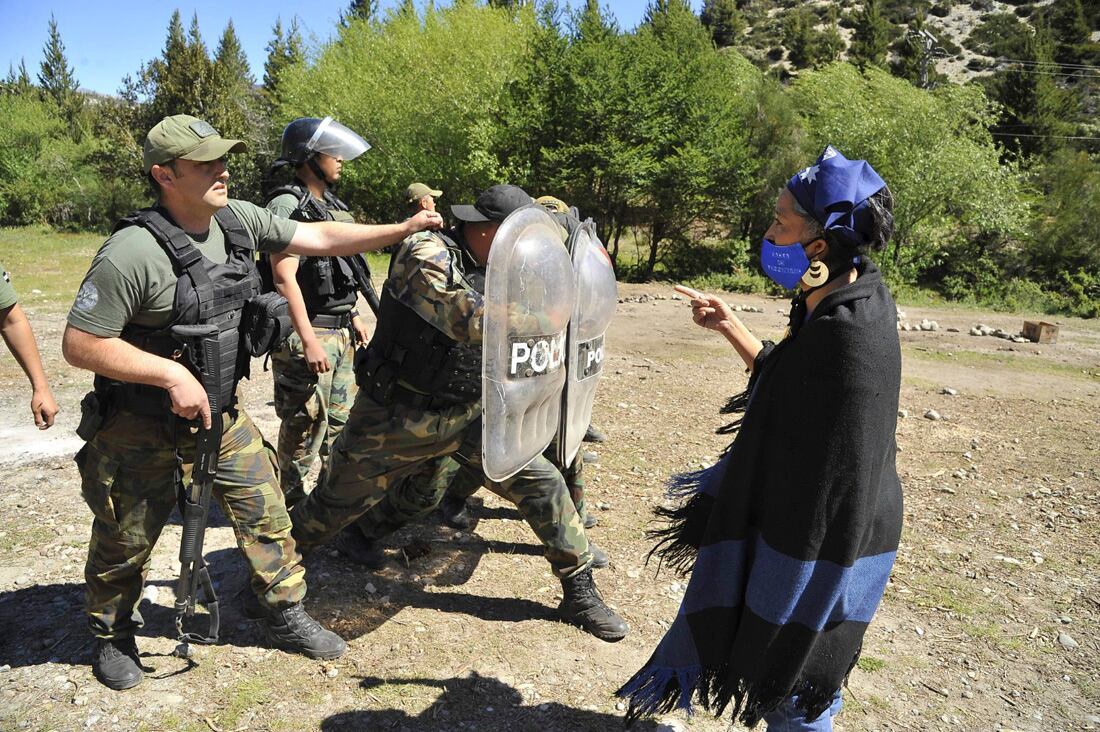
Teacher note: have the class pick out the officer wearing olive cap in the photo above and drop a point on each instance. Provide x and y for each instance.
(419, 197)
(420, 401)
(188, 260)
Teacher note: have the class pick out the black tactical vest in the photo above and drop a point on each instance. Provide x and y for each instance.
(411, 362)
(329, 285)
(206, 293)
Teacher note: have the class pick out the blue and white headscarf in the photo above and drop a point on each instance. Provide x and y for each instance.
(834, 190)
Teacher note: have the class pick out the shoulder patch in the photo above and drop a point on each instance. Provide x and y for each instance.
(86, 297)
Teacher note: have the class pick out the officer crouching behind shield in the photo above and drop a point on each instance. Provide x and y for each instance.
(314, 375)
(188, 261)
(420, 399)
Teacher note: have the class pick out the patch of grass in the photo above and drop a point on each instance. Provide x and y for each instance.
(1003, 359)
(247, 694)
(870, 664)
(52, 262)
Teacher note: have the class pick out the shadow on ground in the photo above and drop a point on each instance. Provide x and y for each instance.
(474, 702)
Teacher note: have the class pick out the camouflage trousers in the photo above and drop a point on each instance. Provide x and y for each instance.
(383, 446)
(313, 407)
(460, 484)
(425, 488)
(127, 473)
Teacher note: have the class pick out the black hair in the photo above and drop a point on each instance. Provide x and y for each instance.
(881, 204)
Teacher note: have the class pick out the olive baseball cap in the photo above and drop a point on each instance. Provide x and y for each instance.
(494, 204)
(416, 191)
(186, 137)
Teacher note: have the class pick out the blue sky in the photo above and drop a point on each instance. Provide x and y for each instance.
(104, 41)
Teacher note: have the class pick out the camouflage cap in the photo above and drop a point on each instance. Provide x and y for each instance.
(416, 191)
(552, 203)
(186, 137)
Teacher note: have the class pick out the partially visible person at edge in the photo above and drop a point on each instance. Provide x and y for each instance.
(17, 333)
(420, 197)
(143, 280)
(313, 369)
(420, 399)
(790, 538)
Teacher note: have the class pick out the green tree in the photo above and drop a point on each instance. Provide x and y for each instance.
(870, 37)
(360, 10)
(799, 37)
(723, 20)
(1070, 31)
(18, 83)
(284, 50)
(1035, 111)
(178, 82)
(236, 110)
(55, 76)
(932, 148)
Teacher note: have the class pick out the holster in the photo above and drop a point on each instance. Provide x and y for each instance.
(93, 413)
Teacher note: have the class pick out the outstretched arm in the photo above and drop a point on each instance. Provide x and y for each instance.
(17, 333)
(713, 313)
(331, 238)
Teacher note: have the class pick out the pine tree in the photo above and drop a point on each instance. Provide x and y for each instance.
(283, 50)
(723, 20)
(176, 83)
(1070, 30)
(1035, 110)
(359, 10)
(799, 37)
(18, 82)
(870, 37)
(55, 76)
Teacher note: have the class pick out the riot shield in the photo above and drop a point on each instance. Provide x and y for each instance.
(528, 301)
(597, 296)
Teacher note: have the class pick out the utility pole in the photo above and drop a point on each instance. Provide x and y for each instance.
(931, 48)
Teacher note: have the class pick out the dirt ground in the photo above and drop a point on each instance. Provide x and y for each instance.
(991, 620)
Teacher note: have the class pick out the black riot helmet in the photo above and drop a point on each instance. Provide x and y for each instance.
(306, 136)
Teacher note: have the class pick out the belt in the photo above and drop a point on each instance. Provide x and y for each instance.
(334, 322)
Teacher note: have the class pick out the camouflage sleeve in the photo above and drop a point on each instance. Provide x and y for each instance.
(424, 277)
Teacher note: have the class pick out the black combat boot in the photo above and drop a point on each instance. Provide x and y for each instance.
(593, 434)
(590, 521)
(583, 606)
(354, 546)
(115, 663)
(292, 629)
(600, 559)
(453, 511)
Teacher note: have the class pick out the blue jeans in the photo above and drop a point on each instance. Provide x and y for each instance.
(788, 718)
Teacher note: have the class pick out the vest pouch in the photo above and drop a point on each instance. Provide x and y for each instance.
(265, 323)
(322, 270)
(92, 416)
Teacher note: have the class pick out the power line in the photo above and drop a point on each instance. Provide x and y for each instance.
(1045, 137)
(1090, 67)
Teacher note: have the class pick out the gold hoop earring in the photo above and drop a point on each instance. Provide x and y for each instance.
(817, 275)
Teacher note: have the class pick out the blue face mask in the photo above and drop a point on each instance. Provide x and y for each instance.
(785, 265)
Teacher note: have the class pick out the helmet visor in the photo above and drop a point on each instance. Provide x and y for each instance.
(337, 141)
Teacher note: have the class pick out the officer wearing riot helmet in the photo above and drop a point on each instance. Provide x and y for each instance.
(314, 378)
(420, 399)
(186, 262)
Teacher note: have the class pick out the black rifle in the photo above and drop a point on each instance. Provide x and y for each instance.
(202, 341)
(361, 269)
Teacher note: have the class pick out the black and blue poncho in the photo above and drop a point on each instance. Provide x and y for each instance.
(791, 536)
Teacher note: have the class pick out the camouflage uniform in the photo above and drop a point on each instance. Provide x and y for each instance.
(313, 407)
(127, 480)
(383, 445)
(127, 468)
